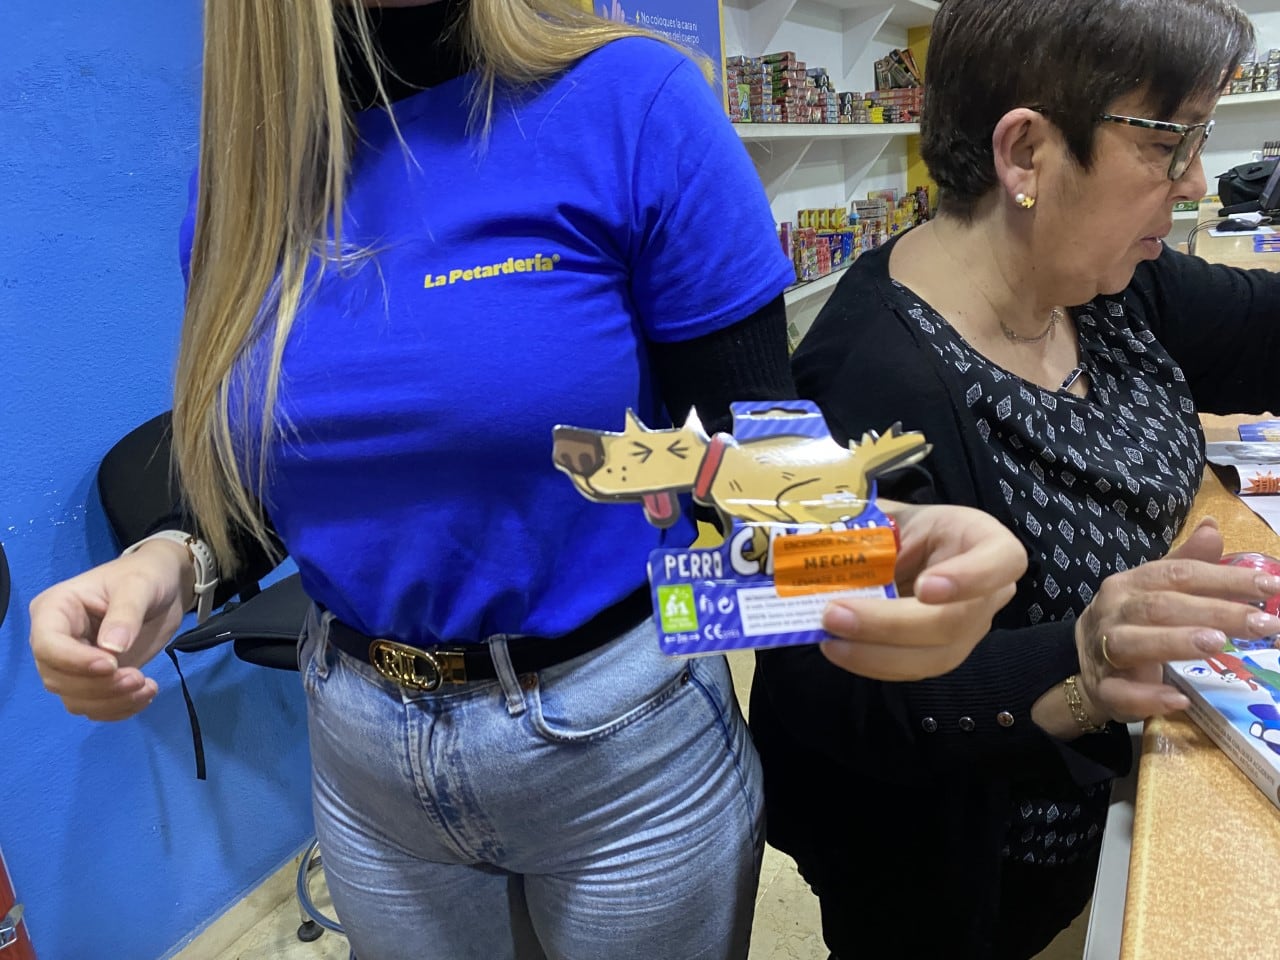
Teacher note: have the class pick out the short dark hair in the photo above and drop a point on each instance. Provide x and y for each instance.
(1071, 59)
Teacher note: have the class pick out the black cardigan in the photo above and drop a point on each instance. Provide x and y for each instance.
(920, 774)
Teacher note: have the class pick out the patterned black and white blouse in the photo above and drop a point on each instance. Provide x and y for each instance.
(1098, 484)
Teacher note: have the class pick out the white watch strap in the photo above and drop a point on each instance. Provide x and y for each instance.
(201, 557)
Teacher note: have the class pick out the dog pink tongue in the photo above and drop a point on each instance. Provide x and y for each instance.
(660, 508)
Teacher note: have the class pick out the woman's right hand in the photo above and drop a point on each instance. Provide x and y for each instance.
(90, 634)
(1183, 607)
(956, 569)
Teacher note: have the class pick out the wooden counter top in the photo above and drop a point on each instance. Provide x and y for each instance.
(1204, 869)
(1236, 251)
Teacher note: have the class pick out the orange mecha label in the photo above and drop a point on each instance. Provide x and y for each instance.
(806, 563)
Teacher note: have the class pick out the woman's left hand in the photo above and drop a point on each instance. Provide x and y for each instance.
(1183, 607)
(956, 569)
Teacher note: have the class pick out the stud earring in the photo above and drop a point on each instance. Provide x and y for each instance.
(1025, 202)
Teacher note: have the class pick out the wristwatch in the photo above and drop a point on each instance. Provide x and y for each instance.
(201, 558)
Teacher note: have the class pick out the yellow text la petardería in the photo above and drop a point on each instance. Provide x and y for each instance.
(535, 264)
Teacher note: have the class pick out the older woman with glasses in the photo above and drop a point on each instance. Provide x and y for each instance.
(1055, 352)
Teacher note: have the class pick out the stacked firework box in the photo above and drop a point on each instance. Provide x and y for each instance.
(894, 106)
(750, 90)
(899, 93)
(828, 103)
(898, 71)
(852, 108)
(1259, 76)
(769, 89)
(881, 106)
(888, 213)
(794, 94)
(781, 88)
(822, 240)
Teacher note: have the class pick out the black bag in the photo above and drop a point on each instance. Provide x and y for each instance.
(1244, 183)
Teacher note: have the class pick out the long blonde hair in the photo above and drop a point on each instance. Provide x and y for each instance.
(275, 145)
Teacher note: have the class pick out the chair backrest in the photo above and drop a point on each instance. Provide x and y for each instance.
(265, 629)
(135, 481)
(138, 488)
(4, 585)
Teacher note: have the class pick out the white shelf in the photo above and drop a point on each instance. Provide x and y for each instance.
(823, 131)
(1257, 6)
(751, 26)
(905, 13)
(822, 165)
(902, 13)
(811, 288)
(1243, 99)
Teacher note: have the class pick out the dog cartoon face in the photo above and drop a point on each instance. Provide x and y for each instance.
(785, 468)
(791, 479)
(638, 464)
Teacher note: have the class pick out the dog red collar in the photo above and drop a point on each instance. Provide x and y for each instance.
(710, 464)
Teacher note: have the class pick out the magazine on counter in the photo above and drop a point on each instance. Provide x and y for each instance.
(1263, 431)
(1235, 699)
(1255, 465)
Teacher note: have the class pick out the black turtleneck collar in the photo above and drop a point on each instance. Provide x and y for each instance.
(420, 47)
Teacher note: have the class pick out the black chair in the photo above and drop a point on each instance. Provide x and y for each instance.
(137, 489)
(4, 585)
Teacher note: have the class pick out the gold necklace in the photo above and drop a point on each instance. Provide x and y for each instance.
(1056, 314)
(1014, 337)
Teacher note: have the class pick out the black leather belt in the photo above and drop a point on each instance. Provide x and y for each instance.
(429, 668)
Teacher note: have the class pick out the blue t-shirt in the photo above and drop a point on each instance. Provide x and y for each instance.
(512, 288)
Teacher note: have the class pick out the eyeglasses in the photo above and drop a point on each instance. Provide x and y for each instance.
(1194, 137)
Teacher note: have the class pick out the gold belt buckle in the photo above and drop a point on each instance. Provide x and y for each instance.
(416, 668)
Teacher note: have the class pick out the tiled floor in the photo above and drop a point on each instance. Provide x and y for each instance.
(786, 923)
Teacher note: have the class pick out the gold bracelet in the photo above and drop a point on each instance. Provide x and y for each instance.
(1076, 705)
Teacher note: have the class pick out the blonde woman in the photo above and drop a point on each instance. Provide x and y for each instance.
(422, 236)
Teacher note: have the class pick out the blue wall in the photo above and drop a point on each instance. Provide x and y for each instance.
(116, 849)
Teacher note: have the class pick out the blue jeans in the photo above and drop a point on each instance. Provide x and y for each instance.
(607, 807)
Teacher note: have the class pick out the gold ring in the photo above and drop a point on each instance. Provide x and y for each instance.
(1106, 656)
